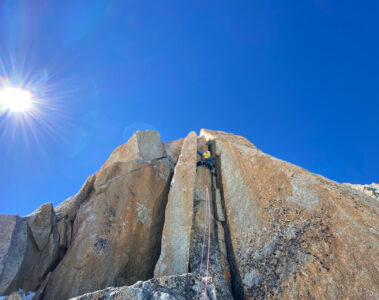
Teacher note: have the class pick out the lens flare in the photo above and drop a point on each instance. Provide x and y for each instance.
(15, 99)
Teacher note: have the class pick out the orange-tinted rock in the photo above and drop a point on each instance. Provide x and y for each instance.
(294, 234)
(174, 257)
(202, 221)
(116, 232)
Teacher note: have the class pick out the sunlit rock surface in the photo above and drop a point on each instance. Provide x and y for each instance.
(174, 257)
(116, 232)
(371, 190)
(179, 287)
(277, 230)
(294, 234)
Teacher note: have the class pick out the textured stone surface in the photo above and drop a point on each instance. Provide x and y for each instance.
(41, 223)
(28, 249)
(173, 150)
(294, 234)
(19, 295)
(13, 229)
(199, 243)
(116, 232)
(145, 145)
(68, 208)
(174, 257)
(179, 287)
(277, 231)
(371, 190)
(17, 252)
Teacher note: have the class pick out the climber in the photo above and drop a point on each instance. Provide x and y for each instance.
(206, 160)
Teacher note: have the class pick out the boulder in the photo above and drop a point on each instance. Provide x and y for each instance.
(41, 222)
(174, 257)
(116, 231)
(145, 145)
(180, 287)
(293, 234)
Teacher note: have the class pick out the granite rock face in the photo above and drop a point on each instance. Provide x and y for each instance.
(28, 249)
(277, 231)
(294, 234)
(116, 232)
(174, 257)
(371, 190)
(179, 287)
(173, 150)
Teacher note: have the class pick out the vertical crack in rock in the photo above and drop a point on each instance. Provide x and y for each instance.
(235, 279)
(278, 231)
(158, 230)
(218, 266)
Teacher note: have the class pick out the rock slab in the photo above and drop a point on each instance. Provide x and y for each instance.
(117, 228)
(174, 257)
(294, 234)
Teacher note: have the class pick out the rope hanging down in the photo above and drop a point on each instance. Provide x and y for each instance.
(207, 224)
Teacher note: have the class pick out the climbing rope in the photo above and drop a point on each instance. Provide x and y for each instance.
(202, 251)
(207, 221)
(209, 242)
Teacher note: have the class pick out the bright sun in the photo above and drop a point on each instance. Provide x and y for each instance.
(15, 99)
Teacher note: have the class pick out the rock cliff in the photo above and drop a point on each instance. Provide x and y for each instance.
(137, 229)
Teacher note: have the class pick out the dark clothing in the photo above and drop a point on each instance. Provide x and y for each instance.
(209, 162)
(210, 158)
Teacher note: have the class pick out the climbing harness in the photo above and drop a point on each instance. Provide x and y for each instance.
(207, 224)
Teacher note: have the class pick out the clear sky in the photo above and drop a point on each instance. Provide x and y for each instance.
(299, 79)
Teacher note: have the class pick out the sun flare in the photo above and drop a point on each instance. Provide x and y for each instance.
(15, 99)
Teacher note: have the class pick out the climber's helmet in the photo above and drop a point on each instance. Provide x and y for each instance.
(207, 154)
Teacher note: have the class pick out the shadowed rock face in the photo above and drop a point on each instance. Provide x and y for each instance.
(278, 231)
(28, 249)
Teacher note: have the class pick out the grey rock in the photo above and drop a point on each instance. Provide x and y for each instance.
(62, 230)
(173, 150)
(17, 255)
(41, 223)
(150, 144)
(180, 287)
(69, 207)
(220, 216)
(371, 190)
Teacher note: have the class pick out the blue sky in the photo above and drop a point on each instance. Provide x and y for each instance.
(299, 79)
